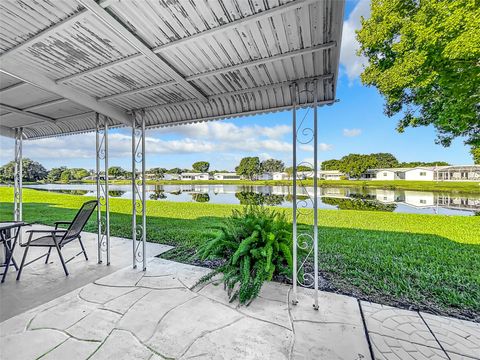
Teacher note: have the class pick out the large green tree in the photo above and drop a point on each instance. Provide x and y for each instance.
(55, 173)
(79, 173)
(31, 171)
(201, 166)
(116, 171)
(423, 57)
(385, 160)
(249, 167)
(158, 172)
(332, 164)
(272, 165)
(476, 155)
(355, 165)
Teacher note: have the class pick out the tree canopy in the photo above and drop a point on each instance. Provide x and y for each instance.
(158, 172)
(32, 171)
(476, 155)
(272, 165)
(116, 171)
(55, 173)
(201, 166)
(423, 58)
(249, 167)
(356, 164)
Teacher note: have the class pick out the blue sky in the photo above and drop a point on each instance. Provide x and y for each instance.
(356, 124)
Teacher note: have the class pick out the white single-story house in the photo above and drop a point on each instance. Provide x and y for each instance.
(457, 173)
(226, 176)
(194, 176)
(171, 176)
(385, 174)
(426, 173)
(265, 176)
(420, 173)
(330, 175)
(280, 176)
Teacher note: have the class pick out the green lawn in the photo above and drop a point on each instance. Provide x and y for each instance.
(428, 261)
(459, 187)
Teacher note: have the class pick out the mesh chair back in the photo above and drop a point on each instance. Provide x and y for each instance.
(80, 220)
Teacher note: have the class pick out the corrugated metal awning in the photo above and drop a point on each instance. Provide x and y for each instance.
(180, 61)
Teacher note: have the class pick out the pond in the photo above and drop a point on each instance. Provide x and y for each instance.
(342, 198)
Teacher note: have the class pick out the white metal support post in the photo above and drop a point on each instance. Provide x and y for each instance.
(18, 176)
(103, 218)
(293, 90)
(305, 131)
(139, 231)
(315, 193)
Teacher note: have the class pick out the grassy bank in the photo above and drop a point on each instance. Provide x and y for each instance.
(429, 262)
(458, 187)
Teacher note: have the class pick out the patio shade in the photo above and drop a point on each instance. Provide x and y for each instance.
(178, 61)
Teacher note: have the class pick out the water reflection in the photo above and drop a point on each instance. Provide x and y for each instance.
(329, 198)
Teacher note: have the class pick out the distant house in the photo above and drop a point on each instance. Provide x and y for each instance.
(420, 173)
(194, 176)
(171, 176)
(386, 174)
(330, 175)
(280, 176)
(265, 176)
(457, 173)
(426, 173)
(226, 176)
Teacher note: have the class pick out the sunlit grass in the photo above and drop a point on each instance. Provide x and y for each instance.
(428, 261)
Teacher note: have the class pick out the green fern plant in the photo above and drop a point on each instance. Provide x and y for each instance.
(256, 243)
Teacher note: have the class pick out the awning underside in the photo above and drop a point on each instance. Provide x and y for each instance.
(180, 61)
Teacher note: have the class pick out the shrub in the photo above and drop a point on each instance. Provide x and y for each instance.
(256, 243)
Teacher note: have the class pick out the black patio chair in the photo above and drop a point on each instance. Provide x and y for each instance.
(58, 238)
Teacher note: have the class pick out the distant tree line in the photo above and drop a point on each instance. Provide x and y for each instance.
(33, 171)
(356, 164)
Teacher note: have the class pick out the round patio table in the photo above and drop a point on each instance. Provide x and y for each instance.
(9, 234)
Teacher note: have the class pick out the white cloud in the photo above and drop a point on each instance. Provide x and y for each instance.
(212, 137)
(352, 63)
(224, 131)
(351, 132)
(321, 147)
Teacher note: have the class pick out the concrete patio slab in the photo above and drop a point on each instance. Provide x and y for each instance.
(456, 336)
(41, 282)
(132, 314)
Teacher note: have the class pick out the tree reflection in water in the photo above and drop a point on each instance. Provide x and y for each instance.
(201, 197)
(252, 198)
(359, 204)
(157, 195)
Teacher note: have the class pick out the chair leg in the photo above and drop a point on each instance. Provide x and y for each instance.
(48, 255)
(61, 259)
(23, 261)
(83, 248)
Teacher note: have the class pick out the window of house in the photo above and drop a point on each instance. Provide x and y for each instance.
(423, 173)
(423, 201)
(384, 174)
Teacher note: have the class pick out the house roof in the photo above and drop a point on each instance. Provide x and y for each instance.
(176, 62)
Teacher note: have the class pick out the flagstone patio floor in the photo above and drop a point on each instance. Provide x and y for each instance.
(159, 314)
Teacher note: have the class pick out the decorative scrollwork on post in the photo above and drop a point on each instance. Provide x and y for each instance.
(103, 208)
(139, 235)
(305, 238)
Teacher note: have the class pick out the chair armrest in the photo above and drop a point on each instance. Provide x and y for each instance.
(56, 223)
(62, 222)
(45, 231)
